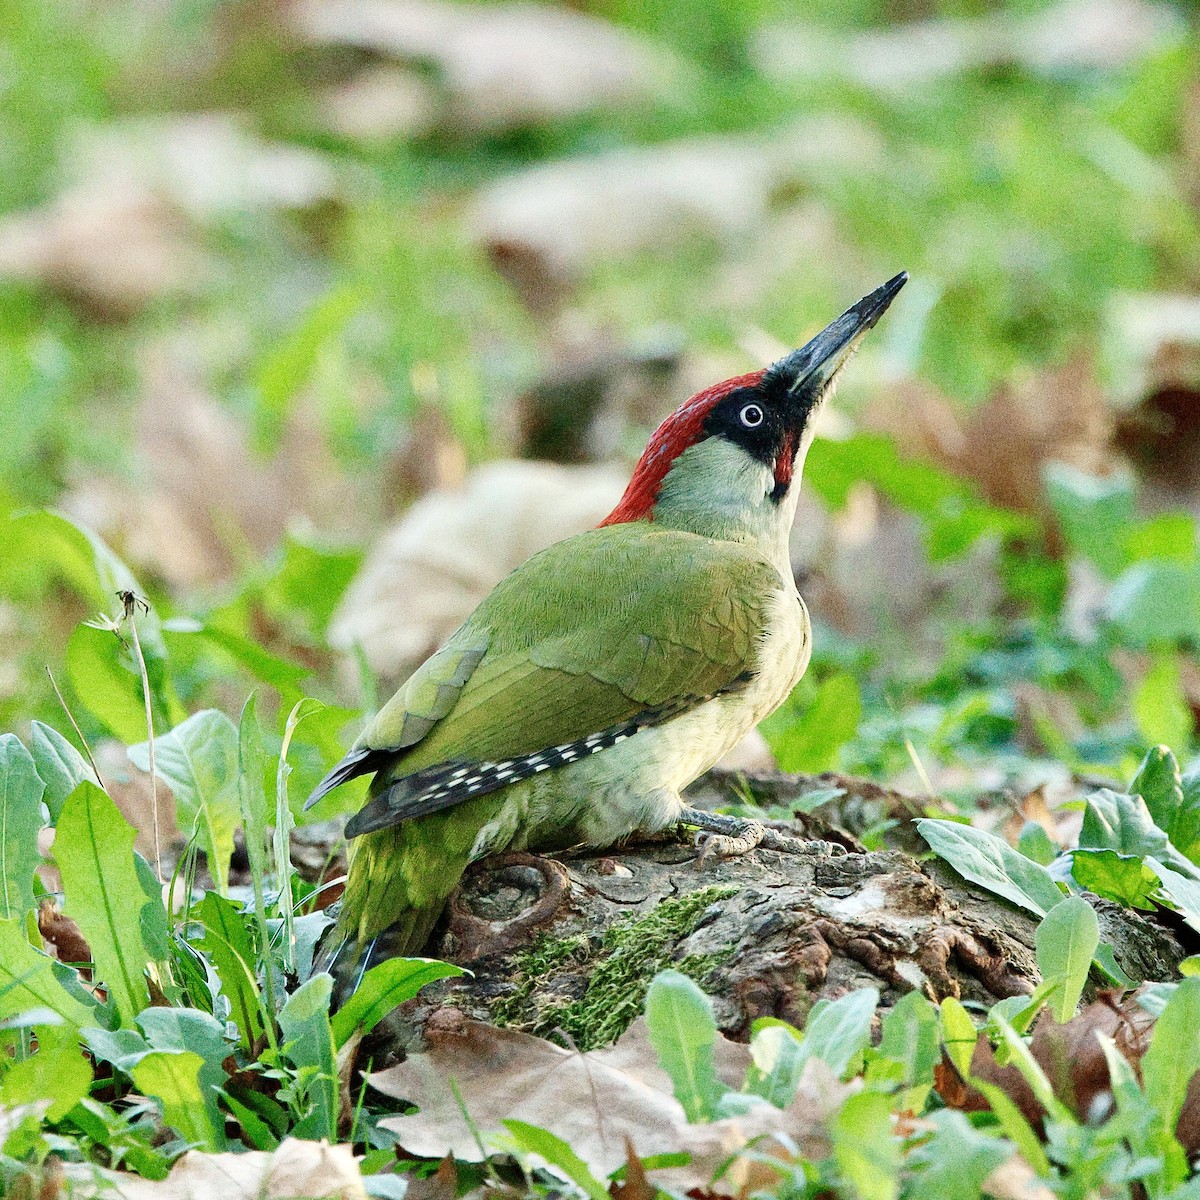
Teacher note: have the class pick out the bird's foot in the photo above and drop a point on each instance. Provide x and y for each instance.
(721, 836)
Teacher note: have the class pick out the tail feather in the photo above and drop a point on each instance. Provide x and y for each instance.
(348, 959)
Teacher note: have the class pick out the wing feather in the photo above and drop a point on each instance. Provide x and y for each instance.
(598, 633)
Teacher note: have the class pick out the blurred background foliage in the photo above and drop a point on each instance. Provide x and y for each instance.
(274, 277)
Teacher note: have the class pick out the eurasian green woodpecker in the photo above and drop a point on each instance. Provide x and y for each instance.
(608, 672)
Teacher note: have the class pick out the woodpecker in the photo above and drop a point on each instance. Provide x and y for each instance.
(600, 678)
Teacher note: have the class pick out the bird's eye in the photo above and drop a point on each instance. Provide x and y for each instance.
(751, 416)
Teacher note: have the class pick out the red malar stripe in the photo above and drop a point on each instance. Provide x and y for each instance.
(683, 428)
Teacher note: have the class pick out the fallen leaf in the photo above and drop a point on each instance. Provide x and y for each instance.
(109, 253)
(452, 547)
(600, 1103)
(124, 229)
(204, 495)
(297, 1168)
(381, 104)
(1016, 1180)
(1069, 34)
(1074, 1062)
(205, 165)
(500, 66)
(62, 934)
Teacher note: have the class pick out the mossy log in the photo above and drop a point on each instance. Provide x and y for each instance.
(564, 947)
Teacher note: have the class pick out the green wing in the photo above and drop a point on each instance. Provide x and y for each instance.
(618, 627)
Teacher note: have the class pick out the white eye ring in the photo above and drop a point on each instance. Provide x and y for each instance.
(751, 416)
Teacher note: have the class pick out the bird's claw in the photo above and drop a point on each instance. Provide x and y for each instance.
(723, 845)
(774, 840)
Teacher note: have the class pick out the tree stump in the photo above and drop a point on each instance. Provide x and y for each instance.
(564, 947)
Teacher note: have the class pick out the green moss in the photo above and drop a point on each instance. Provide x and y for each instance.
(619, 967)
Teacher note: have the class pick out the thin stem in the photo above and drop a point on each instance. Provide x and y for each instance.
(78, 732)
(137, 648)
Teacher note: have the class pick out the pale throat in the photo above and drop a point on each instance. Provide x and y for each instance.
(716, 489)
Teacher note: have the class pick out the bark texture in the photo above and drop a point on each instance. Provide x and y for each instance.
(566, 946)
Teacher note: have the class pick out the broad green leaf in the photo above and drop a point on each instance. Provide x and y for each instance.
(1174, 805)
(228, 944)
(252, 799)
(910, 1038)
(93, 848)
(308, 1042)
(1173, 1056)
(198, 760)
(189, 1029)
(865, 1148)
(1182, 891)
(809, 738)
(56, 1070)
(121, 1047)
(953, 1164)
(1093, 513)
(21, 791)
(29, 979)
(256, 1132)
(1034, 842)
(992, 863)
(1016, 1128)
(61, 767)
(1160, 708)
(1187, 826)
(1114, 821)
(1124, 878)
(1159, 784)
(683, 1032)
(1156, 602)
(308, 930)
(309, 585)
(384, 987)
(107, 681)
(281, 674)
(959, 1035)
(172, 1077)
(1066, 941)
(775, 1065)
(1168, 535)
(837, 1032)
(557, 1155)
(284, 823)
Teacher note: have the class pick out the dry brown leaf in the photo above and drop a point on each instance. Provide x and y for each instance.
(1071, 33)
(1073, 1061)
(452, 547)
(109, 253)
(570, 215)
(204, 496)
(599, 1103)
(297, 1168)
(1016, 1180)
(121, 233)
(441, 1185)
(63, 936)
(1055, 416)
(381, 104)
(205, 165)
(501, 66)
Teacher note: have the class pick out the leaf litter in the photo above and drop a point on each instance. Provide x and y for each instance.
(472, 1077)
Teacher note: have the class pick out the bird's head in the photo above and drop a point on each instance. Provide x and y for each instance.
(735, 450)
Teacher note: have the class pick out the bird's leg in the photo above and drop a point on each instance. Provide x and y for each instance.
(724, 837)
(719, 836)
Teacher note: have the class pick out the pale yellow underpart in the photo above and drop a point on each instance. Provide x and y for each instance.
(635, 786)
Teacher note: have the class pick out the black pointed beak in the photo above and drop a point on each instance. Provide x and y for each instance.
(806, 373)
